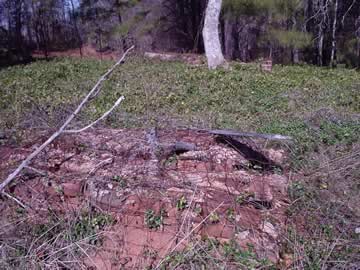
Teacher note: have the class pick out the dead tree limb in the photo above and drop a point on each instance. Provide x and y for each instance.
(117, 103)
(36, 170)
(235, 133)
(61, 130)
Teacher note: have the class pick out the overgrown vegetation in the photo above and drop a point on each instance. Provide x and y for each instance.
(154, 220)
(319, 107)
(211, 254)
(53, 242)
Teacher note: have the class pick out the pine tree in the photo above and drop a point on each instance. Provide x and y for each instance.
(284, 22)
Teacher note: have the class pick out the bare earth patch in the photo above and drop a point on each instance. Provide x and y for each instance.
(161, 202)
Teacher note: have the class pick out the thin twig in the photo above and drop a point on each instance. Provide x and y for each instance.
(87, 255)
(100, 164)
(26, 162)
(117, 103)
(347, 11)
(36, 170)
(15, 200)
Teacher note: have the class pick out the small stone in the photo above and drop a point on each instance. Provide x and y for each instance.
(270, 229)
(357, 230)
(110, 186)
(242, 235)
(103, 193)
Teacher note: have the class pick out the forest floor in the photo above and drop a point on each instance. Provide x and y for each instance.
(86, 52)
(100, 204)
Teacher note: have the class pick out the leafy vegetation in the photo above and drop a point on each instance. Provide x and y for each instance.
(118, 179)
(286, 101)
(319, 107)
(210, 254)
(153, 220)
(182, 203)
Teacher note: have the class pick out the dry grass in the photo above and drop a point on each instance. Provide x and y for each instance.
(32, 241)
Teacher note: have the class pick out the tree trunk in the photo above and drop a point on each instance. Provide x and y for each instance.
(322, 10)
(211, 36)
(229, 37)
(296, 55)
(333, 43)
(320, 46)
(357, 34)
(295, 51)
(80, 43)
(18, 29)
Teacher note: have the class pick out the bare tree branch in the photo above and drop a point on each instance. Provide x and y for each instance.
(347, 11)
(99, 119)
(26, 162)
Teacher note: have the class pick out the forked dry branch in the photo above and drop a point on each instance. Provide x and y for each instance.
(62, 129)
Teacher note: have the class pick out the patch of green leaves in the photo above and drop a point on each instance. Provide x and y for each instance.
(230, 214)
(88, 225)
(122, 182)
(181, 203)
(246, 257)
(214, 217)
(153, 220)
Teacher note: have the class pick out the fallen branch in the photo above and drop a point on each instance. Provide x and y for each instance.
(235, 133)
(101, 164)
(14, 199)
(117, 103)
(36, 171)
(61, 130)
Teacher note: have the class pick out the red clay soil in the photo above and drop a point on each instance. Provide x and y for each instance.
(88, 167)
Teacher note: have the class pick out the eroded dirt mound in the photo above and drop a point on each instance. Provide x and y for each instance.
(163, 189)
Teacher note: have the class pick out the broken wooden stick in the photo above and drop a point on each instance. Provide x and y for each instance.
(14, 199)
(36, 171)
(117, 103)
(227, 132)
(61, 130)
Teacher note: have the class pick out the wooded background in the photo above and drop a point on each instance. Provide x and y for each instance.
(322, 32)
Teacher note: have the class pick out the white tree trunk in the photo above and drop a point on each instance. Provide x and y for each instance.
(333, 43)
(211, 36)
(320, 47)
